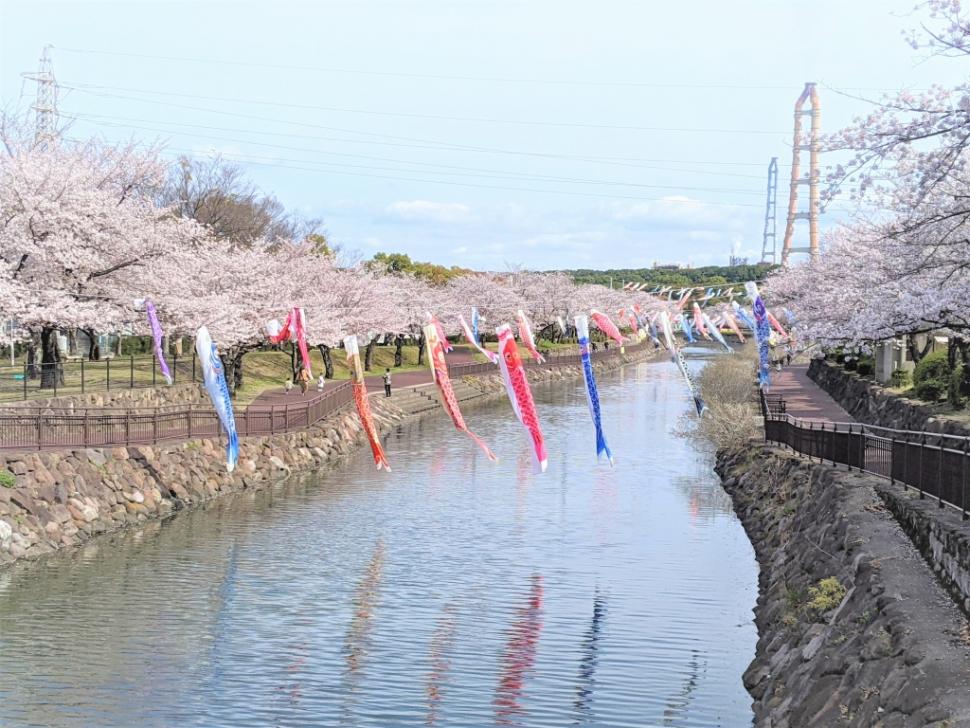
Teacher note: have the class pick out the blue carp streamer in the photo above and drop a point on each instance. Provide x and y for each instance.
(762, 332)
(215, 384)
(592, 394)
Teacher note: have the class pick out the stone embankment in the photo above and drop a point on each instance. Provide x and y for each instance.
(867, 402)
(854, 630)
(177, 394)
(63, 498)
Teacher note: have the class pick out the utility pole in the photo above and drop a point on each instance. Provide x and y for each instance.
(798, 146)
(45, 103)
(768, 240)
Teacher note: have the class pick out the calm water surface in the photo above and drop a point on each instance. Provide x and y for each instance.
(452, 592)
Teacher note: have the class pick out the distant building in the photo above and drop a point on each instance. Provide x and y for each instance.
(667, 266)
(734, 261)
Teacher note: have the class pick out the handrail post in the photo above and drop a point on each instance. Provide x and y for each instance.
(963, 481)
(82, 375)
(848, 448)
(922, 446)
(939, 476)
(892, 460)
(107, 376)
(25, 380)
(131, 376)
(154, 367)
(175, 367)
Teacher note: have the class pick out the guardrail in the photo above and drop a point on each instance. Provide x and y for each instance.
(932, 463)
(44, 428)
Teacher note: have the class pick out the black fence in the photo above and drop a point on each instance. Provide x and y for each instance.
(44, 428)
(78, 376)
(933, 464)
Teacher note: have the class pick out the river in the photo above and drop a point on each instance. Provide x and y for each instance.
(452, 591)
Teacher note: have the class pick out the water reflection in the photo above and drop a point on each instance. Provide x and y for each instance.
(587, 663)
(519, 657)
(438, 652)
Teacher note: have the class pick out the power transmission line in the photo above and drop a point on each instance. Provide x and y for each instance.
(87, 88)
(451, 77)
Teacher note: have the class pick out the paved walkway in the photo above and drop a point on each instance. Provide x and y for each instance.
(805, 399)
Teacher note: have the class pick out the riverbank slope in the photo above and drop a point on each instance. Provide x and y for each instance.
(853, 628)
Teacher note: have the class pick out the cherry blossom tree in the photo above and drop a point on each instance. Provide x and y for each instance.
(77, 220)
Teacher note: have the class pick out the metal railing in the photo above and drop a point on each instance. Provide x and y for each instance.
(932, 463)
(79, 376)
(38, 428)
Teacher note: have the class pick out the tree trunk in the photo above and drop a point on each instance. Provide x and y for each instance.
(916, 354)
(294, 368)
(369, 354)
(232, 365)
(72, 342)
(953, 397)
(965, 357)
(327, 360)
(32, 359)
(50, 366)
(398, 350)
(94, 348)
(421, 349)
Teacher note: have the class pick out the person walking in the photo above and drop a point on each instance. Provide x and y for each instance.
(387, 382)
(304, 380)
(321, 383)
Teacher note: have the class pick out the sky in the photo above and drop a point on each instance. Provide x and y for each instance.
(539, 133)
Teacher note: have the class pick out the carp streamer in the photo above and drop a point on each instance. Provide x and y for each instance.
(592, 394)
(439, 371)
(678, 359)
(362, 403)
(517, 388)
(762, 332)
(157, 339)
(214, 377)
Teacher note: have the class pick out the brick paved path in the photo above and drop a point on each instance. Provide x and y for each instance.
(805, 399)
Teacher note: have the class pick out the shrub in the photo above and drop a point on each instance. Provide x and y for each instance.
(851, 363)
(900, 378)
(825, 596)
(866, 366)
(931, 378)
(7, 479)
(727, 385)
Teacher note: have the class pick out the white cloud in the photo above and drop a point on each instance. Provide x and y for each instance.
(419, 210)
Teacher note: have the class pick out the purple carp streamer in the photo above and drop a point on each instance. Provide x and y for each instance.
(592, 394)
(157, 339)
(762, 332)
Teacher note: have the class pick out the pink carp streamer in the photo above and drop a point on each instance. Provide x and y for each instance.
(733, 325)
(517, 387)
(439, 370)
(470, 338)
(362, 403)
(604, 324)
(293, 329)
(157, 339)
(775, 325)
(433, 320)
(699, 322)
(525, 335)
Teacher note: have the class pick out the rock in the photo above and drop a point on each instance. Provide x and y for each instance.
(5, 531)
(95, 457)
(17, 467)
(279, 464)
(120, 453)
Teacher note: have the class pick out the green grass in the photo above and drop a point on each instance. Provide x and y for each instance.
(264, 370)
(7, 479)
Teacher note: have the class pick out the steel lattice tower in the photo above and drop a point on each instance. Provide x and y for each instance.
(798, 146)
(768, 240)
(45, 104)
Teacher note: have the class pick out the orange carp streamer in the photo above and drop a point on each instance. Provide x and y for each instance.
(363, 404)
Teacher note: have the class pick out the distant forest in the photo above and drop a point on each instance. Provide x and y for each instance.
(711, 275)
